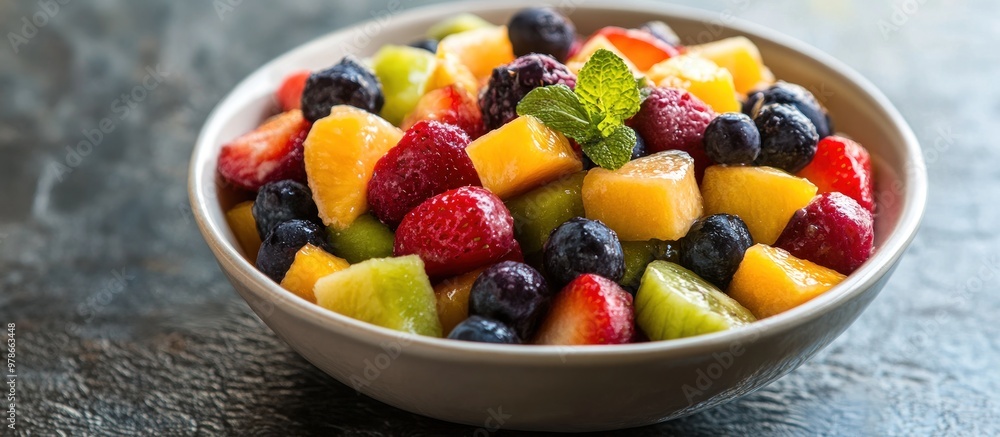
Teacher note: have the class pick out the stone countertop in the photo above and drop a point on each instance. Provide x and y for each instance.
(125, 325)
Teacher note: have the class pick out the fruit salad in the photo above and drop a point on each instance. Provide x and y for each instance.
(526, 184)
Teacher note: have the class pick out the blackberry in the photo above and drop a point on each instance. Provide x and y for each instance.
(510, 83)
(346, 83)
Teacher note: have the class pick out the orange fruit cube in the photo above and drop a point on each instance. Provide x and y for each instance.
(741, 58)
(699, 76)
(770, 281)
(244, 227)
(311, 263)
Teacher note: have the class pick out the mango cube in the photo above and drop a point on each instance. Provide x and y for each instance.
(522, 155)
(764, 197)
(244, 227)
(480, 50)
(651, 197)
(699, 76)
(770, 281)
(741, 58)
(453, 300)
(311, 263)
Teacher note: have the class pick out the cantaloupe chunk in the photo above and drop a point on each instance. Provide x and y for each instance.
(764, 197)
(480, 50)
(651, 197)
(311, 263)
(244, 227)
(741, 58)
(340, 155)
(770, 281)
(701, 77)
(520, 156)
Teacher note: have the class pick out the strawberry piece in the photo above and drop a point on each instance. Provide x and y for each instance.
(591, 309)
(289, 95)
(453, 105)
(457, 231)
(429, 160)
(833, 231)
(642, 48)
(842, 165)
(272, 152)
(672, 118)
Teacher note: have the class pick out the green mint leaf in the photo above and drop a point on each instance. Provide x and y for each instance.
(613, 151)
(608, 90)
(558, 108)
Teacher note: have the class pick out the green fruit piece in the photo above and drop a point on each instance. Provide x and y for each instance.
(404, 72)
(673, 302)
(638, 255)
(537, 212)
(457, 24)
(394, 293)
(364, 239)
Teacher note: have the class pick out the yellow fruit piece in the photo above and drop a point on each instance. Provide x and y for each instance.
(244, 227)
(764, 197)
(740, 57)
(311, 263)
(453, 299)
(450, 71)
(651, 197)
(592, 45)
(340, 154)
(701, 77)
(522, 155)
(479, 50)
(770, 281)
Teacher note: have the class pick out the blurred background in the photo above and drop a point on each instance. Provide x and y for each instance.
(125, 325)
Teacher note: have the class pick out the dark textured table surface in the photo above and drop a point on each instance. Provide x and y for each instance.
(125, 325)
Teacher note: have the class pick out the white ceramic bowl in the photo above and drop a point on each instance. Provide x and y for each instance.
(571, 388)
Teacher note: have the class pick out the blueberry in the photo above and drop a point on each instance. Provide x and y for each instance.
(429, 44)
(714, 248)
(512, 293)
(281, 201)
(732, 138)
(510, 83)
(795, 95)
(541, 30)
(583, 246)
(662, 32)
(484, 330)
(346, 83)
(638, 151)
(787, 138)
(278, 251)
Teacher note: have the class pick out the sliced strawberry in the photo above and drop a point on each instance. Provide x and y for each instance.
(842, 165)
(589, 310)
(642, 48)
(451, 104)
(272, 152)
(457, 231)
(289, 95)
(429, 160)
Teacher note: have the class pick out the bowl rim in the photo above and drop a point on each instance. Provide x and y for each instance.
(201, 191)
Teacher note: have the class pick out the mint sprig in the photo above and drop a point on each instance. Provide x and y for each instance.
(594, 113)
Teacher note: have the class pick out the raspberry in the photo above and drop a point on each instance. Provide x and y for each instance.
(429, 160)
(457, 231)
(833, 231)
(670, 119)
(510, 83)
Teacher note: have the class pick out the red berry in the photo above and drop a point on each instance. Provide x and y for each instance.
(670, 119)
(289, 95)
(451, 104)
(456, 232)
(833, 231)
(270, 153)
(842, 165)
(591, 309)
(429, 160)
